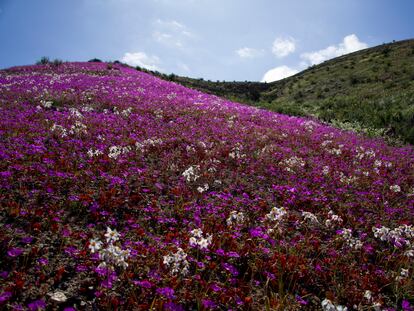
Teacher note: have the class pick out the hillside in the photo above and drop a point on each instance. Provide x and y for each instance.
(373, 88)
(122, 191)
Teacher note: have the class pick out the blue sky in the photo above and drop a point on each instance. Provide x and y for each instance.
(212, 39)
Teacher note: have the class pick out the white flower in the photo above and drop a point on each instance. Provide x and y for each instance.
(409, 253)
(310, 217)
(368, 295)
(111, 235)
(193, 241)
(276, 214)
(327, 305)
(395, 188)
(332, 219)
(191, 173)
(114, 152)
(95, 245)
(198, 239)
(58, 297)
(350, 240)
(235, 217)
(203, 189)
(404, 273)
(94, 153)
(46, 104)
(177, 262)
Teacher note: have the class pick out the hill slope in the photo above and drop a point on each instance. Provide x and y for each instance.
(121, 191)
(373, 87)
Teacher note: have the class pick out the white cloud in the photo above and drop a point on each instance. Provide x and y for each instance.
(249, 52)
(349, 44)
(278, 73)
(171, 33)
(141, 59)
(283, 46)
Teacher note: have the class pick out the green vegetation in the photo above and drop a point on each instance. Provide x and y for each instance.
(372, 88)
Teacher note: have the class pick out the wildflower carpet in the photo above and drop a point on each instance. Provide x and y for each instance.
(119, 190)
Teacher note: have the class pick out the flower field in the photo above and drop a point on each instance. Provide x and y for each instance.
(121, 191)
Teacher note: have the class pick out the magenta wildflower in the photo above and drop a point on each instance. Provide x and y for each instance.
(5, 296)
(406, 306)
(37, 305)
(144, 283)
(14, 252)
(166, 292)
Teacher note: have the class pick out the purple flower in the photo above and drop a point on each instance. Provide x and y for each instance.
(258, 233)
(69, 309)
(144, 283)
(233, 254)
(108, 282)
(4, 274)
(301, 301)
(36, 305)
(231, 269)
(27, 240)
(14, 252)
(167, 292)
(220, 252)
(406, 306)
(5, 296)
(208, 304)
(171, 306)
(43, 261)
(215, 287)
(81, 268)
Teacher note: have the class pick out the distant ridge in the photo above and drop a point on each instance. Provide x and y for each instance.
(371, 88)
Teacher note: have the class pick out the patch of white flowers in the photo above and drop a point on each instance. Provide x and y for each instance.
(379, 163)
(235, 218)
(292, 163)
(325, 170)
(75, 113)
(333, 220)
(395, 188)
(46, 103)
(116, 151)
(177, 262)
(236, 152)
(125, 113)
(158, 113)
(400, 236)
(362, 153)
(309, 125)
(352, 242)
(310, 217)
(141, 146)
(78, 128)
(347, 179)
(190, 149)
(276, 214)
(204, 188)
(191, 173)
(94, 153)
(86, 108)
(111, 255)
(197, 239)
(327, 305)
(336, 151)
(60, 129)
